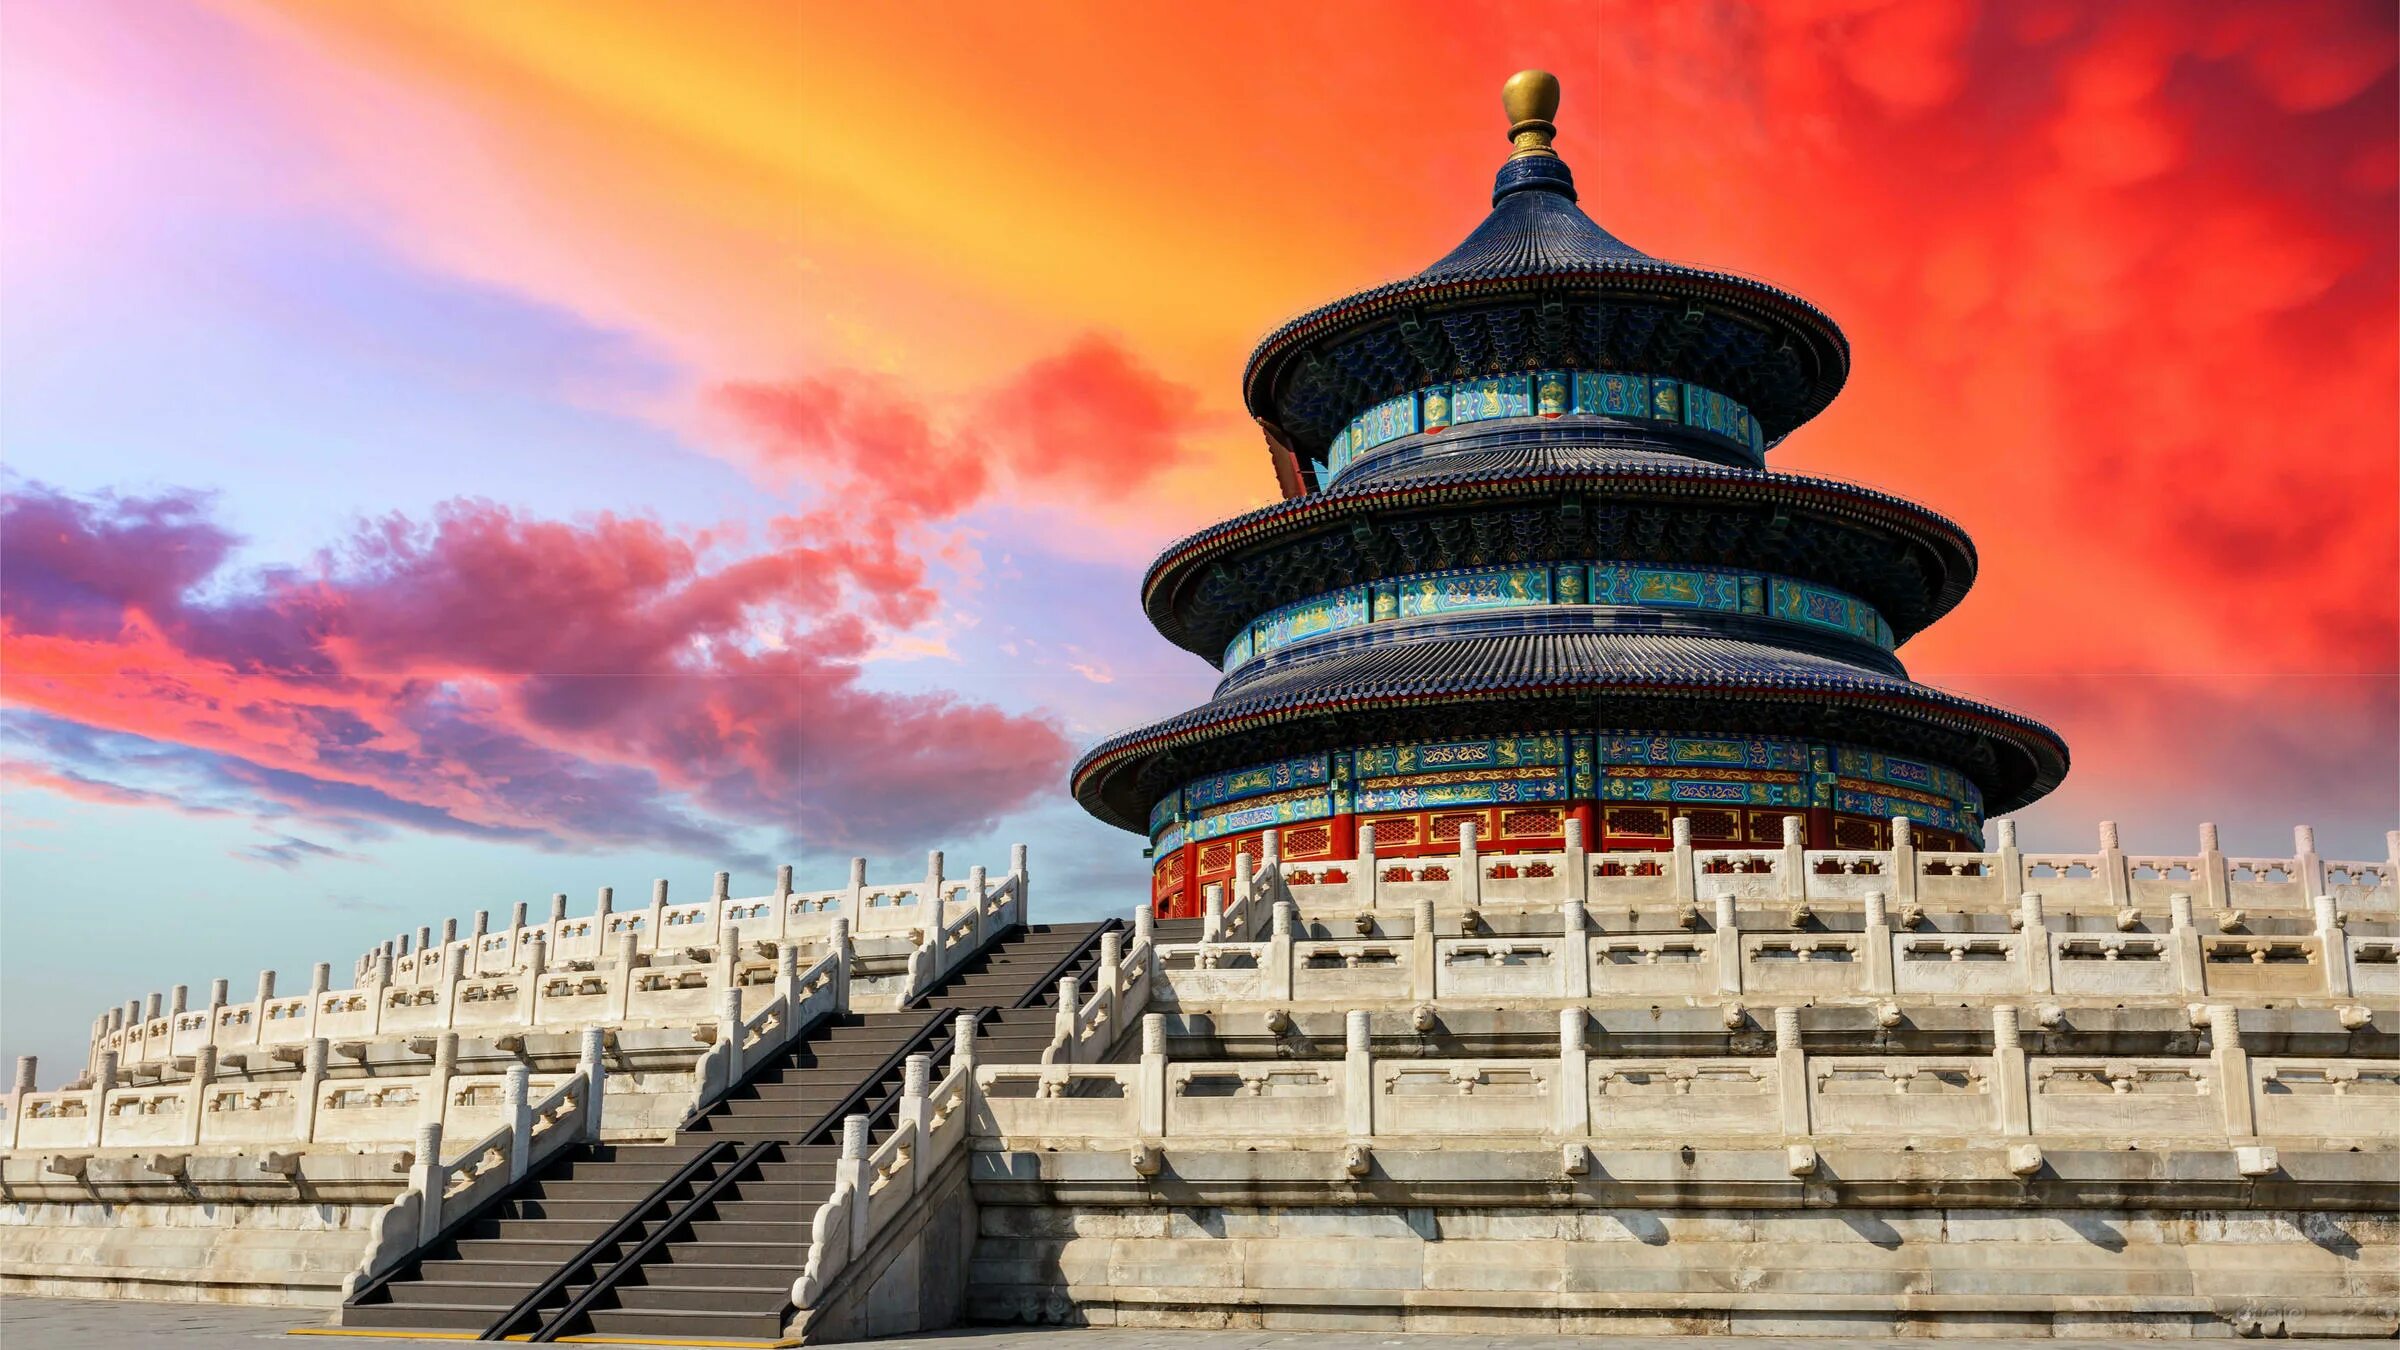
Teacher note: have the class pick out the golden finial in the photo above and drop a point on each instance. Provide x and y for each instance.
(1531, 99)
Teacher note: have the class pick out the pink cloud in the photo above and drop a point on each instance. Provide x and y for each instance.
(494, 674)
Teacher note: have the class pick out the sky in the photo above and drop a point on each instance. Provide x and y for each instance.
(459, 452)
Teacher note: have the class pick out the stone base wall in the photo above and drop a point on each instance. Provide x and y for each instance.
(1853, 1272)
(293, 1254)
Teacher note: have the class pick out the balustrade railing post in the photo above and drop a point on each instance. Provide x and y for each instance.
(1112, 987)
(1423, 967)
(312, 1086)
(1791, 1074)
(1370, 874)
(1683, 867)
(620, 980)
(1470, 865)
(1574, 943)
(1062, 1033)
(379, 996)
(2112, 866)
(2183, 940)
(2307, 867)
(1904, 862)
(729, 957)
(320, 979)
(2033, 930)
(258, 1015)
(1153, 1105)
(1792, 861)
(979, 890)
(1358, 1074)
(729, 1034)
(783, 901)
(558, 918)
(838, 946)
(517, 1099)
(27, 1065)
(1574, 1087)
(1212, 912)
(933, 891)
(1270, 868)
(851, 1172)
(593, 1069)
(916, 1108)
(787, 979)
(1579, 865)
(435, 1109)
(428, 1178)
(1728, 942)
(2014, 1097)
(1020, 869)
(1876, 937)
(529, 997)
(1241, 906)
(2216, 881)
(655, 930)
(2233, 1072)
(2333, 944)
(195, 1098)
(855, 904)
(1280, 956)
(2012, 861)
(104, 1081)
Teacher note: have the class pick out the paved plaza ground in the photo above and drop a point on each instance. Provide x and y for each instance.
(83, 1324)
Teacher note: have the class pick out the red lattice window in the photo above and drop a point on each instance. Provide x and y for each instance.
(1720, 825)
(1307, 841)
(1397, 830)
(1766, 828)
(1851, 832)
(1637, 820)
(1446, 827)
(1519, 824)
(1216, 857)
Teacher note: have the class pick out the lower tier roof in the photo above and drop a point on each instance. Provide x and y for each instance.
(1551, 681)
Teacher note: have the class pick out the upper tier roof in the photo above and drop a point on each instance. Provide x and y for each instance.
(1538, 284)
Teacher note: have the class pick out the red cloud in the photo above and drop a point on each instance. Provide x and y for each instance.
(1091, 421)
(488, 673)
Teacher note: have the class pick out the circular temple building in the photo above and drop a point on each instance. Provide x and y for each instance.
(1531, 567)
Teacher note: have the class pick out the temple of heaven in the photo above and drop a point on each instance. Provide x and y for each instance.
(1531, 567)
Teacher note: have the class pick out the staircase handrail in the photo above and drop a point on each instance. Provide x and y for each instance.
(674, 1223)
(992, 910)
(582, 1261)
(442, 1197)
(1120, 994)
(802, 999)
(931, 1127)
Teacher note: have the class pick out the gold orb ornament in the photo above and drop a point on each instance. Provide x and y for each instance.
(1531, 99)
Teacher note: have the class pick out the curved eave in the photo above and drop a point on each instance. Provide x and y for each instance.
(1165, 582)
(1777, 308)
(1105, 780)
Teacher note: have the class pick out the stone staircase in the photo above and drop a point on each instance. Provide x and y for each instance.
(703, 1237)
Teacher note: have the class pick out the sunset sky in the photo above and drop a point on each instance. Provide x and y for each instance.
(457, 452)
